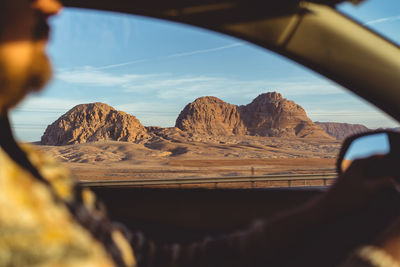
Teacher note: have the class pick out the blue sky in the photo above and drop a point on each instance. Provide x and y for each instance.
(152, 69)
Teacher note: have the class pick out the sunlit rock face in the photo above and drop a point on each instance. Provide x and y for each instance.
(94, 122)
(211, 116)
(268, 114)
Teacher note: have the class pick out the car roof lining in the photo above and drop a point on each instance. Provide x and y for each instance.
(202, 12)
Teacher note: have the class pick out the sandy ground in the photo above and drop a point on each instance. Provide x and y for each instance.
(204, 157)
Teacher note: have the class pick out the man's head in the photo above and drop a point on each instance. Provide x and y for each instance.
(24, 66)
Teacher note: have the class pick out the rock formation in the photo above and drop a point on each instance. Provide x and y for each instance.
(342, 130)
(270, 114)
(211, 116)
(94, 122)
(267, 115)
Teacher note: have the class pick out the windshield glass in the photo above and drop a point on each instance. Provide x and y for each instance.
(140, 99)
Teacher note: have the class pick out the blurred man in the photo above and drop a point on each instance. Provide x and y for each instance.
(45, 218)
(24, 34)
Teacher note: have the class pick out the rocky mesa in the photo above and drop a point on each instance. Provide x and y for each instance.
(268, 114)
(94, 122)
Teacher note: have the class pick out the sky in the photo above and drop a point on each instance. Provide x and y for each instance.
(367, 146)
(152, 69)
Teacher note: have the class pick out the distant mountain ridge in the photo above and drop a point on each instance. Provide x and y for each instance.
(342, 130)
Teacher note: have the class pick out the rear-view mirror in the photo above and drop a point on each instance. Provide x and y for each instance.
(366, 145)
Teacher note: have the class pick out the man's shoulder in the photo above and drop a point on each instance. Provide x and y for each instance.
(36, 227)
(50, 169)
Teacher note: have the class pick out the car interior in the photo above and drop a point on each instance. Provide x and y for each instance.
(313, 33)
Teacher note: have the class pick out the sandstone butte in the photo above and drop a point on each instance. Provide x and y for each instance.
(268, 114)
(94, 122)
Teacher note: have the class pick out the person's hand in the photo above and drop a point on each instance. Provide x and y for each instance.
(364, 179)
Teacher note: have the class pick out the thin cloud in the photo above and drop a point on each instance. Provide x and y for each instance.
(203, 51)
(177, 55)
(122, 64)
(43, 103)
(381, 20)
(93, 76)
(345, 113)
(169, 82)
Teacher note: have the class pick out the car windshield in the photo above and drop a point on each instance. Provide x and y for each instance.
(164, 104)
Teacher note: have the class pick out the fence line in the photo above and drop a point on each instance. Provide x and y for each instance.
(211, 180)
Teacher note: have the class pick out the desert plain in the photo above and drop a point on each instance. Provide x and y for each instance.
(205, 156)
